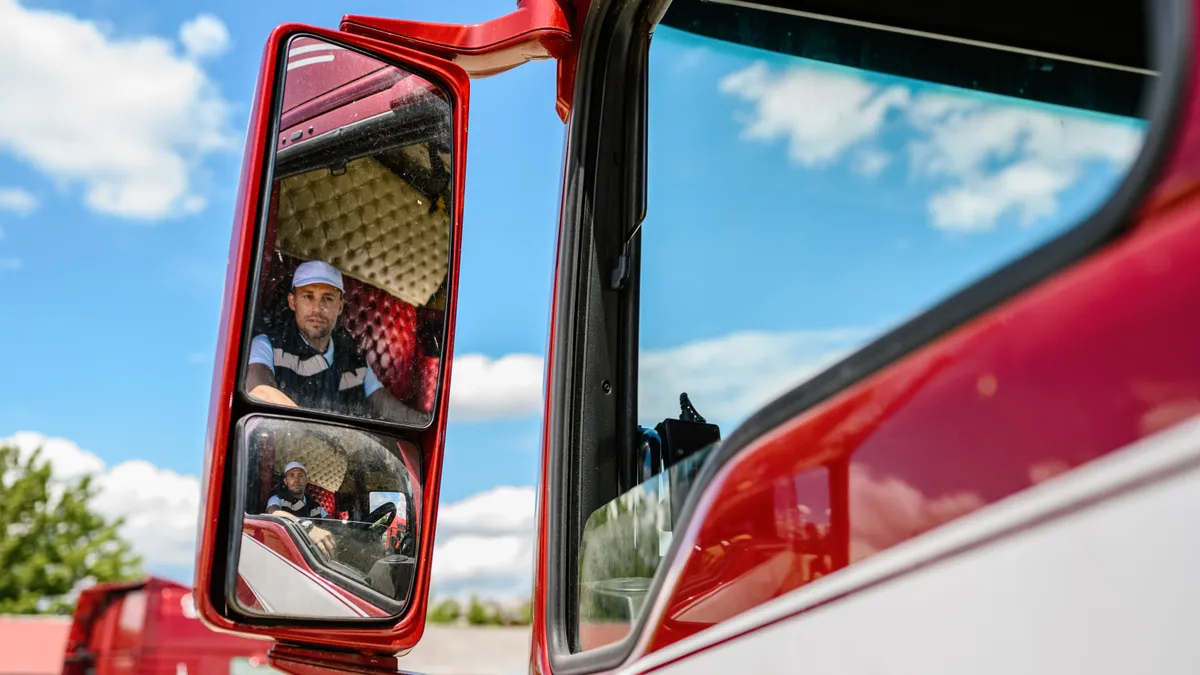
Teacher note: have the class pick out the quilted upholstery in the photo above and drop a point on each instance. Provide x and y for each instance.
(326, 467)
(325, 498)
(385, 329)
(426, 385)
(369, 223)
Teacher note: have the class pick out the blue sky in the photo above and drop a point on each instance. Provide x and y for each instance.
(113, 319)
(806, 229)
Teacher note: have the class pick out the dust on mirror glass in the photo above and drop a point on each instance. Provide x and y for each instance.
(349, 313)
(329, 520)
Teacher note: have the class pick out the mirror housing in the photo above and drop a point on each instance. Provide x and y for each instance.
(224, 500)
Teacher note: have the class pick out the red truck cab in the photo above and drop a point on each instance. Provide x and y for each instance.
(150, 627)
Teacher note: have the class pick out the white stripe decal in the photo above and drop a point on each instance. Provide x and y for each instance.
(307, 49)
(306, 368)
(353, 379)
(283, 588)
(310, 61)
(1092, 571)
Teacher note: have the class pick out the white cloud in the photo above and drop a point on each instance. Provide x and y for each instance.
(160, 507)
(485, 545)
(689, 59)
(886, 510)
(204, 36)
(501, 510)
(483, 388)
(128, 119)
(68, 462)
(10, 264)
(1005, 159)
(985, 158)
(821, 111)
(18, 201)
(726, 377)
(1029, 188)
(729, 377)
(871, 161)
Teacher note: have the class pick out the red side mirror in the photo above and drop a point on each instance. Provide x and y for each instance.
(330, 394)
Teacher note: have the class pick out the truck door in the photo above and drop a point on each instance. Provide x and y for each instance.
(842, 292)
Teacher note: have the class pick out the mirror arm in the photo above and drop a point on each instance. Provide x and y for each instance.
(300, 660)
(538, 29)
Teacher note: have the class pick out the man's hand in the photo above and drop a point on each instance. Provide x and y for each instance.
(324, 541)
(270, 394)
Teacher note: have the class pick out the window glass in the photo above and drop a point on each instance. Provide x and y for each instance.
(799, 208)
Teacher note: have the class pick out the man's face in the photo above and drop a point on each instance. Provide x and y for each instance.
(296, 480)
(317, 307)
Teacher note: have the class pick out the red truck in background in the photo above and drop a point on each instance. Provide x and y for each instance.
(150, 627)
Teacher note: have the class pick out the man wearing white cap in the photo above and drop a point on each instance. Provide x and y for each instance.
(290, 501)
(314, 362)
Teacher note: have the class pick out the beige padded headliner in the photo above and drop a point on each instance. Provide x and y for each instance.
(369, 223)
(325, 466)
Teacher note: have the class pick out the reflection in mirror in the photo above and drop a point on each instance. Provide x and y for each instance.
(329, 520)
(350, 305)
(624, 542)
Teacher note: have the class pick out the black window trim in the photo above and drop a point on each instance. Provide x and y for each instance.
(1169, 23)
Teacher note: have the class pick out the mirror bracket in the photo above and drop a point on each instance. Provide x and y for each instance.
(536, 30)
(307, 660)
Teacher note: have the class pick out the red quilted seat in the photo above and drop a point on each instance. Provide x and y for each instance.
(325, 498)
(426, 384)
(385, 329)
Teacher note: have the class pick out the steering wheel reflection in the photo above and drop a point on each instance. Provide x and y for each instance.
(382, 516)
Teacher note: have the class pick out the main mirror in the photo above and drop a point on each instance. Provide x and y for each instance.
(349, 304)
(328, 519)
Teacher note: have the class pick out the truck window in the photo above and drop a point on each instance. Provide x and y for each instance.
(812, 185)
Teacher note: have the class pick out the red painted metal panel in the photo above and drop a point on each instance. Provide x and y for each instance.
(538, 29)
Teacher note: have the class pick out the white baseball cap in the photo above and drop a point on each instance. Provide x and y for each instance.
(317, 272)
(294, 465)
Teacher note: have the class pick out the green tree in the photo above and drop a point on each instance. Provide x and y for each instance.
(51, 540)
(478, 614)
(446, 611)
(524, 614)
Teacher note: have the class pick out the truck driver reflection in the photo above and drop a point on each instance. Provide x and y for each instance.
(289, 500)
(313, 361)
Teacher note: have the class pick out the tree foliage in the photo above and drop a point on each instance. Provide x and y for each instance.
(446, 611)
(51, 540)
(479, 614)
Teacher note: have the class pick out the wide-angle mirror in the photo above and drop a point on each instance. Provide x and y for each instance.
(349, 305)
(626, 540)
(328, 521)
